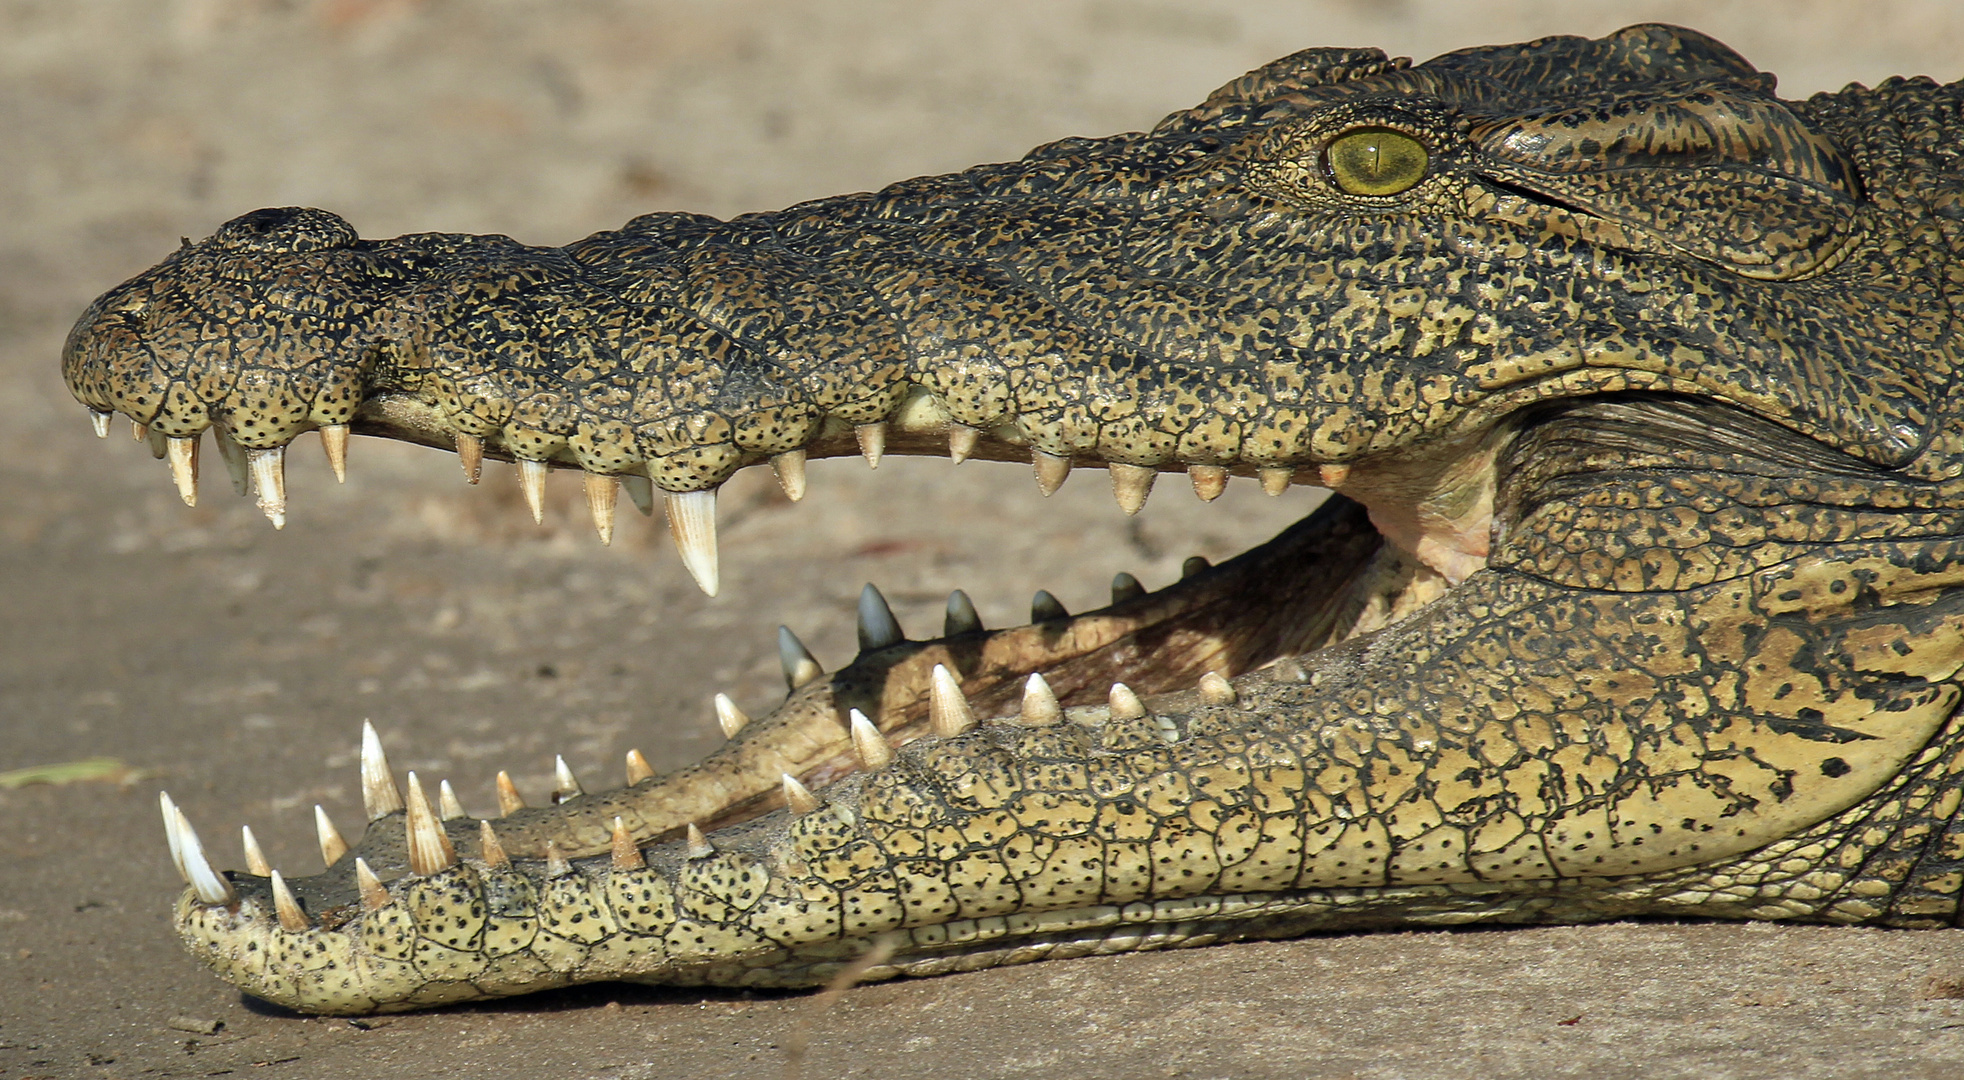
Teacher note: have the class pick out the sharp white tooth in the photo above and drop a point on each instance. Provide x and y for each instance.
(790, 470)
(532, 480)
(234, 457)
(448, 807)
(139, 431)
(799, 797)
(1040, 707)
(640, 491)
(100, 422)
(1045, 607)
(799, 665)
(256, 863)
(373, 896)
(1130, 485)
(1333, 476)
(872, 442)
(1275, 479)
(183, 455)
(638, 768)
(962, 617)
(470, 455)
(491, 850)
(1216, 690)
(429, 846)
(625, 852)
(556, 864)
(379, 794)
(1126, 587)
(601, 493)
(332, 846)
(730, 718)
(564, 784)
(509, 800)
(1052, 471)
(1125, 704)
(692, 524)
(961, 441)
(1208, 481)
(1194, 564)
(293, 920)
(211, 887)
(699, 846)
(171, 837)
(334, 443)
(874, 750)
(948, 710)
(269, 479)
(877, 626)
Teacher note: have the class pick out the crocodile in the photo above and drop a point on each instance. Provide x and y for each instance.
(1639, 590)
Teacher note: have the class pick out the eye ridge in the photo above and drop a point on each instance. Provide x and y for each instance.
(1374, 160)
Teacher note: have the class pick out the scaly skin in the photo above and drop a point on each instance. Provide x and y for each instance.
(1643, 593)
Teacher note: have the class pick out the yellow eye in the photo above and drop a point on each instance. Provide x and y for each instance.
(1374, 161)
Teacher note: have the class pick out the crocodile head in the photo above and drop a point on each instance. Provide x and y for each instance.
(1340, 270)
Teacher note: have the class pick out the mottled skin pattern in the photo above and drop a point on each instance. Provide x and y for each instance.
(1644, 595)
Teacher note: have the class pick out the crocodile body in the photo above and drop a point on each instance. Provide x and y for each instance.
(1642, 591)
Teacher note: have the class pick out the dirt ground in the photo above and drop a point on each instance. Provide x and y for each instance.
(233, 664)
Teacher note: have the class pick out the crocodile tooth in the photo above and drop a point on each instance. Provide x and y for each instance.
(564, 784)
(1040, 707)
(730, 718)
(332, 846)
(183, 455)
(692, 523)
(234, 457)
(947, 710)
(532, 480)
(1125, 704)
(429, 846)
(100, 422)
(874, 750)
(1333, 476)
(877, 626)
(1275, 479)
(509, 800)
(961, 617)
(1126, 587)
(626, 854)
(961, 441)
(470, 455)
(789, 468)
(1216, 690)
(638, 768)
(872, 441)
(1131, 484)
(640, 491)
(1045, 607)
(334, 443)
(170, 834)
(269, 478)
(210, 886)
(602, 491)
(293, 920)
(490, 849)
(799, 797)
(139, 431)
(159, 443)
(1194, 564)
(374, 897)
(1052, 471)
(699, 846)
(799, 665)
(556, 864)
(447, 806)
(379, 795)
(255, 857)
(1208, 481)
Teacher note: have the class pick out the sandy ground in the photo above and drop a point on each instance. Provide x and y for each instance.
(233, 664)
